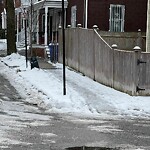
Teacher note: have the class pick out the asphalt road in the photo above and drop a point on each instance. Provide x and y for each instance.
(26, 127)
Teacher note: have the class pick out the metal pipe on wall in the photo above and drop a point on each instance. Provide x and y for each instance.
(86, 13)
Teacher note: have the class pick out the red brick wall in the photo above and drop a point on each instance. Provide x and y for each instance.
(38, 52)
(80, 11)
(98, 13)
(1, 6)
(17, 3)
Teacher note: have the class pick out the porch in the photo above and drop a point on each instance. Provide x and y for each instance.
(43, 19)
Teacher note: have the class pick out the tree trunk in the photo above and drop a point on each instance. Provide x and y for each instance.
(11, 38)
(148, 28)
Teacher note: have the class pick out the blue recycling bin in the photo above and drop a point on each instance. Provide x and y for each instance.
(53, 47)
(56, 53)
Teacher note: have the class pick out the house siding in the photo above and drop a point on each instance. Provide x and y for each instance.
(98, 13)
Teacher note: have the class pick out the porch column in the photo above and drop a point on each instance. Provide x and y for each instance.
(2, 20)
(37, 31)
(23, 24)
(4, 26)
(45, 39)
(17, 28)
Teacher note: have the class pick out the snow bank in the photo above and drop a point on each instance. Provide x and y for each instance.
(84, 96)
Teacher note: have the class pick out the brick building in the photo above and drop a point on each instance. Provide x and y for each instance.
(109, 15)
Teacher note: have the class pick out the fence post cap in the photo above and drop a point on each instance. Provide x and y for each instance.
(79, 25)
(136, 48)
(95, 26)
(68, 26)
(114, 46)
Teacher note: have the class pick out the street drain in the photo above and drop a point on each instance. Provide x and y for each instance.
(91, 148)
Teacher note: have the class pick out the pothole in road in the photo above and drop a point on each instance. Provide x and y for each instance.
(91, 148)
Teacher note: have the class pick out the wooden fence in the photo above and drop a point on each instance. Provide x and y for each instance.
(88, 53)
(125, 40)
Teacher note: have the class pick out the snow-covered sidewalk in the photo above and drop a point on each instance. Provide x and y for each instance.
(85, 97)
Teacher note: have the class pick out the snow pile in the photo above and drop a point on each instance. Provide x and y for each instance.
(84, 96)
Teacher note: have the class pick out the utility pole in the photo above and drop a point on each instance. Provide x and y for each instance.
(31, 23)
(25, 27)
(63, 34)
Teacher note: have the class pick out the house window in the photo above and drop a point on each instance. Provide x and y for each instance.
(73, 16)
(116, 20)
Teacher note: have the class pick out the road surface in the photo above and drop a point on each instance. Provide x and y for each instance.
(26, 127)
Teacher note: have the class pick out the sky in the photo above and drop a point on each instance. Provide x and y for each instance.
(84, 97)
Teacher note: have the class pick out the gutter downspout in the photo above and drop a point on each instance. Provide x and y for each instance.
(86, 13)
(148, 28)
